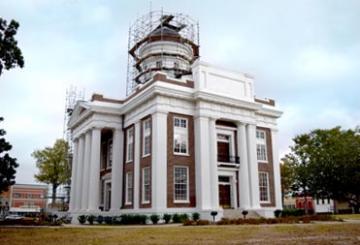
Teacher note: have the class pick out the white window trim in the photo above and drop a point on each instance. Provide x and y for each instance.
(143, 201)
(268, 188)
(127, 144)
(187, 137)
(108, 153)
(231, 134)
(143, 137)
(187, 185)
(128, 202)
(260, 142)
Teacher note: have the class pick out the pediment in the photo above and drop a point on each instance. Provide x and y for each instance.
(80, 108)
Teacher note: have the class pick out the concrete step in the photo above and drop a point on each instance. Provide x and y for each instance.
(237, 213)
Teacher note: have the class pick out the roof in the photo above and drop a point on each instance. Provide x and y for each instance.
(164, 30)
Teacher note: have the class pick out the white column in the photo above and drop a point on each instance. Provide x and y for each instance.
(159, 161)
(276, 164)
(137, 165)
(86, 172)
(253, 167)
(244, 184)
(117, 170)
(94, 175)
(214, 185)
(202, 163)
(79, 173)
(73, 175)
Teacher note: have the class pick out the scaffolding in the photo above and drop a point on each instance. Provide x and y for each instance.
(143, 26)
(73, 95)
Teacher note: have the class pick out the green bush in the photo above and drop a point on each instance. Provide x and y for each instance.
(154, 218)
(108, 220)
(130, 219)
(176, 218)
(90, 219)
(277, 213)
(82, 219)
(99, 219)
(167, 218)
(292, 212)
(184, 217)
(195, 216)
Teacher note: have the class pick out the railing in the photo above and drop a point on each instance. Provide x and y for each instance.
(227, 158)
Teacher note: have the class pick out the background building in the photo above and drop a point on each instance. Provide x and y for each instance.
(24, 198)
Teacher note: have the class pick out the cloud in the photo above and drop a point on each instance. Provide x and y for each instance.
(319, 64)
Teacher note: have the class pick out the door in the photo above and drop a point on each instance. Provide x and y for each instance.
(224, 196)
(223, 151)
(108, 197)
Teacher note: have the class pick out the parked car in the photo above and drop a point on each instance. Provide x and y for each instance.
(13, 217)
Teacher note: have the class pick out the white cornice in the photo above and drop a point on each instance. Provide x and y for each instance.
(219, 99)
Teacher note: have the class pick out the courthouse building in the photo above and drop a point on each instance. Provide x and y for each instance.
(188, 137)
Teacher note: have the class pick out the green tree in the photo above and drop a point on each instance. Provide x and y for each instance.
(8, 164)
(53, 166)
(287, 170)
(10, 53)
(328, 164)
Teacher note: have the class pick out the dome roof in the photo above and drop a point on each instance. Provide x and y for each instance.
(164, 30)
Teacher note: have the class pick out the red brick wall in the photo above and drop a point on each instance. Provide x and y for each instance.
(144, 162)
(180, 160)
(268, 167)
(128, 167)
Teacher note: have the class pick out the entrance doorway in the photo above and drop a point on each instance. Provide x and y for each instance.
(107, 196)
(224, 192)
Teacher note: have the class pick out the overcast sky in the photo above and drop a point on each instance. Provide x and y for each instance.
(305, 54)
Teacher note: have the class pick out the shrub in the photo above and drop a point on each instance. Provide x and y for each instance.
(130, 219)
(277, 213)
(125, 219)
(292, 212)
(203, 222)
(189, 222)
(184, 217)
(90, 219)
(167, 218)
(100, 219)
(244, 213)
(195, 216)
(108, 220)
(176, 218)
(154, 218)
(116, 220)
(82, 219)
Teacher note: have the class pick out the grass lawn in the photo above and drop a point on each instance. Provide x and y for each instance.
(348, 216)
(334, 233)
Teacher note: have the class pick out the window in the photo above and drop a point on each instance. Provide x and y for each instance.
(102, 191)
(130, 145)
(180, 135)
(261, 145)
(110, 153)
(146, 185)
(264, 187)
(146, 137)
(129, 188)
(181, 184)
(158, 64)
